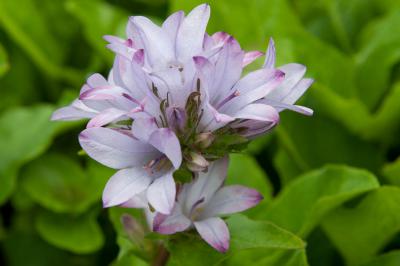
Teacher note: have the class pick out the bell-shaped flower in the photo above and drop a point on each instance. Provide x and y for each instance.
(146, 158)
(201, 203)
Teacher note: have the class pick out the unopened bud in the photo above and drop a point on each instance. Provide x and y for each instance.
(176, 117)
(133, 229)
(204, 140)
(196, 162)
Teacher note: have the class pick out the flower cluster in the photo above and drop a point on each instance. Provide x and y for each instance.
(174, 105)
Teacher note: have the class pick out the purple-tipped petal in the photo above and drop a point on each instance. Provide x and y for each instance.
(215, 232)
(189, 40)
(250, 90)
(165, 140)
(172, 223)
(161, 193)
(115, 149)
(231, 199)
(293, 75)
(270, 56)
(258, 111)
(249, 57)
(106, 117)
(125, 184)
(205, 185)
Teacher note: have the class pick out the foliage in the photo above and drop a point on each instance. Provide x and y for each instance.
(330, 182)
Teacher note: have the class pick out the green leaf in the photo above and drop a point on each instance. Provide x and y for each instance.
(27, 248)
(245, 234)
(388, 259)
(3, 61)
(78, 234)
(99, 18)
(306, 200)
(360, 231)
(25, 133)
(380, 48)
(307, 140)
(391, 172)
(35, 37)
(59, 184)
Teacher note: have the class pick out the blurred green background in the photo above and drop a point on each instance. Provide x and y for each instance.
(347, 211)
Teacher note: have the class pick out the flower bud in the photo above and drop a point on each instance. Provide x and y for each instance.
(204, 140)
(133, 229)
(196, 162)
(176, 117)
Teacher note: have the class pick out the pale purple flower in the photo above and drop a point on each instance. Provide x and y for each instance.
(173, 93)
(201, 203)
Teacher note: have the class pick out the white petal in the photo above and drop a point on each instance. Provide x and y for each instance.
(165, 140)
(106, 117)
(215, 232)
(205, 185)
(125, 184)
(191, 33)
(115, 149)
(161, 193)
(231, 199)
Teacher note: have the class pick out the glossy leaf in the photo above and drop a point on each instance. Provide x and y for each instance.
(361, 230)
(265, 235)
(306, 200)
(60, 184)
(78, 234)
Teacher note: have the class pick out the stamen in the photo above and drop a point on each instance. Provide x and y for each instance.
(227, 99)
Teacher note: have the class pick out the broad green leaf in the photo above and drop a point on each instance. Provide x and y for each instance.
(35, 36)
(16, 90)
(360, 231)
(27, 248)
(99, 18)
(4, 66)
(78, 234)
(312, 142)
(306, 200)
(246, 234)
(273, 257)
(60, 184)
(380, 48)
(388, 259)
(391, 172)
(24, 134)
